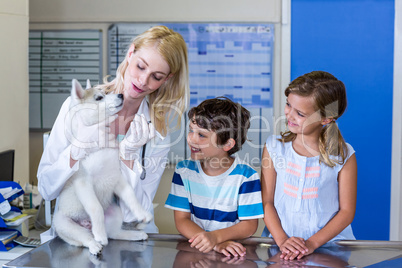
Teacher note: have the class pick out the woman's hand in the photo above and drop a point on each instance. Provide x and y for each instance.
(293, 247)
(139, 133)
(229, 248)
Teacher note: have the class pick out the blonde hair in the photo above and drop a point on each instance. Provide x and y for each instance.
(329, 96)
(171, 99)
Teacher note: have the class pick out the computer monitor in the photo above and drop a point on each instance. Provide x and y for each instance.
(7, 165)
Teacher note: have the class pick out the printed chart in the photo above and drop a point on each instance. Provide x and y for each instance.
(233, 60)
(55, 58)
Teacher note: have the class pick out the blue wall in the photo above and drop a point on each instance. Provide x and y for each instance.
(354, 40)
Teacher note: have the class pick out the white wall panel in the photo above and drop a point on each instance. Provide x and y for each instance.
(154, 10)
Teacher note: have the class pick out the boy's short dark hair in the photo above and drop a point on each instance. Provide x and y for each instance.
(224, 117)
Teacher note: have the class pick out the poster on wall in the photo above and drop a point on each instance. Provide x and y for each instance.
(55, 58)
(225, 59)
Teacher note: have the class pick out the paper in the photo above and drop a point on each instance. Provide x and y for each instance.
(4, 207)
(10, 215)
(18, 222)
(7, 236)
(9, 191)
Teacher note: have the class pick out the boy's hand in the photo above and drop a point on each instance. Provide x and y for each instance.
(203, 241)
(229, 248)
(293, 247)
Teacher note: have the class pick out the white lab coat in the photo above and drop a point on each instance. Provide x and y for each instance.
(54, 167)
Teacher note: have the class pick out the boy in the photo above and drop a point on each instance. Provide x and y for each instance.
(216, 198)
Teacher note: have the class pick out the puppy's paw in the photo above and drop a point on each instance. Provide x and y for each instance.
(141, 225)
(103, 241)
(143, 236)
(143, 222)
(146, 217)
(96, 260)
(95, 248)
(101, 238)
(138, 235)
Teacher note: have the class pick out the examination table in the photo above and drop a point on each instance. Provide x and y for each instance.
(162, 250)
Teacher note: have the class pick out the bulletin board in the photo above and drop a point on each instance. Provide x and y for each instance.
(225, 59)
(55, 58)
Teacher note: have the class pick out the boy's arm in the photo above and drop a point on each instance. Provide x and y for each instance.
(198, 238)
(185, 225)
(241, 230)
(206, 241)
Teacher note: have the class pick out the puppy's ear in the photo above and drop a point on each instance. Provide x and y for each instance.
(77, 93)
(88, 84)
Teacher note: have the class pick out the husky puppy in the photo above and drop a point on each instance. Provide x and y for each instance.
(80, 216)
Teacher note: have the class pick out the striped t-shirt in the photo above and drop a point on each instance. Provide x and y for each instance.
(216, 202)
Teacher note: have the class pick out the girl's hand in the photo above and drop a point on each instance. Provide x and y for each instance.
(203, 241)
(310, 249)
(292, 248)
(229, 248)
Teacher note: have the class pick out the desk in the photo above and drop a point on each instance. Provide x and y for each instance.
(7, 256)
(174, 251)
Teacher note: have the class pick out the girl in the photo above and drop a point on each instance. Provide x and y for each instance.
(153, 79)
(309, 173)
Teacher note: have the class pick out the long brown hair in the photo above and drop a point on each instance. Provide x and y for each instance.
(329, 96)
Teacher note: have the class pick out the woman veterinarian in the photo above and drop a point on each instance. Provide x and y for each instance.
(153, 79)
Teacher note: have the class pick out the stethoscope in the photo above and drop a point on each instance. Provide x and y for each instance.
(144, 172)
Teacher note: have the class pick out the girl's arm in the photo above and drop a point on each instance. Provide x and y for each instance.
(293, 245)
(347, 184)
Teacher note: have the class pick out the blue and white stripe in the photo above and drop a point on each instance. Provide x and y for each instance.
(216, 202)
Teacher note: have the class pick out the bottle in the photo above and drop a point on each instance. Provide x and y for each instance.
(27, 196)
